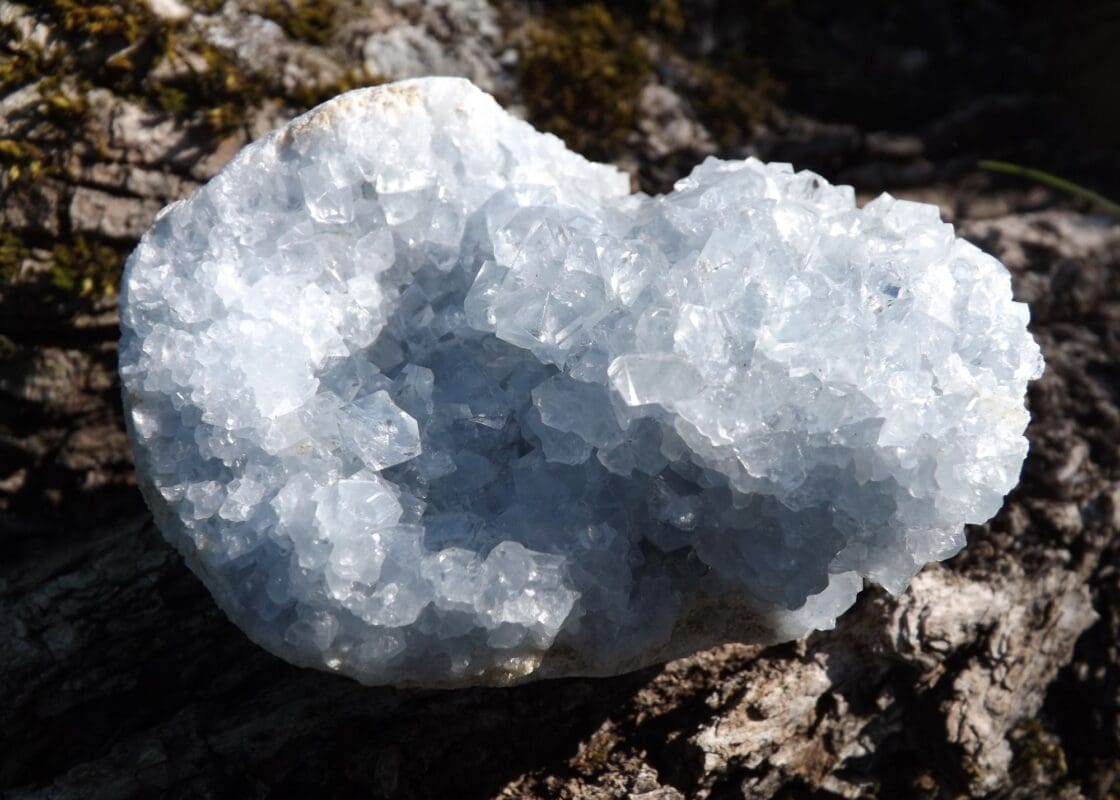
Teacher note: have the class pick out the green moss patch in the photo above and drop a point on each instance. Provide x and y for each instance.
(120, 45)
(87, 267)
(1035, 752)
(581, 72)
(583, 67)
(311, 21)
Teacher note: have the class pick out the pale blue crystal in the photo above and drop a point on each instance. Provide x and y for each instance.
(425, 398)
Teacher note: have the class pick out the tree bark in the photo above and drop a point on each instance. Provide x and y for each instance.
(995, 674)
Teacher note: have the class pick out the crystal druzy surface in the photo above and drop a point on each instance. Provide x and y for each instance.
(424, 397)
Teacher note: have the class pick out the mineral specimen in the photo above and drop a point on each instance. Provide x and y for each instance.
(425, 398)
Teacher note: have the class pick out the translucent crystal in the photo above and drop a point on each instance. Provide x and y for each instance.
(425, 398)
(378, 432)
(663, 378)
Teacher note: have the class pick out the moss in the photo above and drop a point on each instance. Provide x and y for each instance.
(732, 96)
(1034, 752)
(86, 267)
(13, 252)
(22, 61)
(61, 100)
(581, 72)
(583, 67)
(122, 20)
(221, 94)
(309, 21)
(21, 160)
(82, 267)
(667, 15)
(312, 95)
(93, 44)
(8, 349)
(117, 44)
(171, 99)
(105, 43)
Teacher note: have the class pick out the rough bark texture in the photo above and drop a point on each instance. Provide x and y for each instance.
(996, 674)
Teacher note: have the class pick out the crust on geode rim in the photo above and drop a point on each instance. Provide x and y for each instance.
(390, 97)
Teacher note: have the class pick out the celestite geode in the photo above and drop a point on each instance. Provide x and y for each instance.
(425, 398)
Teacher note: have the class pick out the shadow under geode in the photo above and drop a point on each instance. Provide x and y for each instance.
(151, 690)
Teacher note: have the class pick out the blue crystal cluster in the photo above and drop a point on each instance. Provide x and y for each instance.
(425, 398)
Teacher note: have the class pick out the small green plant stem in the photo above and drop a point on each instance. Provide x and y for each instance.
(1053, 181)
